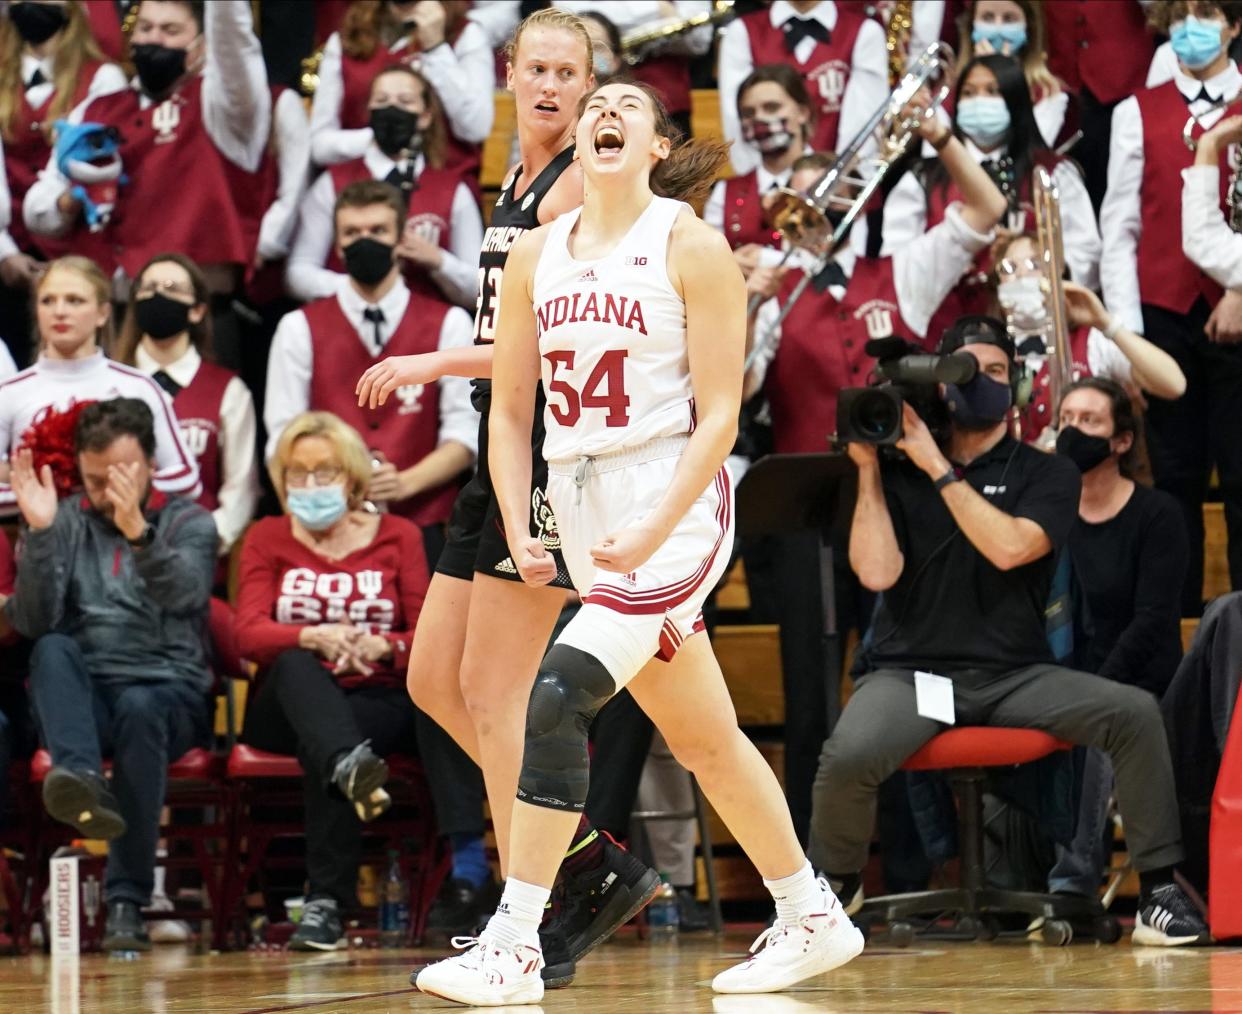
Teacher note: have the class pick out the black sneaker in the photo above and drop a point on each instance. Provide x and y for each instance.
(849, 891)
(82, 800)
(592, 906)
(360, 776)
(558, 967)
(459, 906)
(692, 914)
(320, 928)
(125, 929)
(1167, 918)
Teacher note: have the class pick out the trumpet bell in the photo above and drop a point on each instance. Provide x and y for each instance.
(796, 217)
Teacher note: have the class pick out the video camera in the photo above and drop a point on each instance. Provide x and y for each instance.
(872, 415)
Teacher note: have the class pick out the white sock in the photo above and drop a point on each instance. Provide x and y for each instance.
(796, 896)
(519, 913)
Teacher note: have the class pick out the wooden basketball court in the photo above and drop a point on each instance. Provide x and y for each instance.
(630, 975)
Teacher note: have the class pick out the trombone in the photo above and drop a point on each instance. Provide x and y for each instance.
(803, 219)
(1047, 200)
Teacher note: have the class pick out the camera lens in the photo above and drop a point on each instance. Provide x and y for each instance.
(875, 416)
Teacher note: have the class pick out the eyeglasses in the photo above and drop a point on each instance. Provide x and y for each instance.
(168, 288)
(325, 475)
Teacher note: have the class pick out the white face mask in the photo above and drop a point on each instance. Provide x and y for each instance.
(1022, 296)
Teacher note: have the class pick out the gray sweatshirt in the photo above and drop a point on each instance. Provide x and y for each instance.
(137, 614)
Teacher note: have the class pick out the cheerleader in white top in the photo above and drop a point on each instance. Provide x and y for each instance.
(634, 313)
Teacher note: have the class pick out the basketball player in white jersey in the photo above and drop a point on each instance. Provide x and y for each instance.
(634, 311)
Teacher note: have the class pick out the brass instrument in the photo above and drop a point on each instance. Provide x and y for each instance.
(1047, 201)
(897, 38)
(308, 80)
(847, 185)
(1233, 197)
(635, 42)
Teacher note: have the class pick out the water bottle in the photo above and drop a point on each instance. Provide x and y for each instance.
(663, 915)
(394, 908)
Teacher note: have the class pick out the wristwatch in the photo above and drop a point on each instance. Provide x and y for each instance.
(145, 539)
(948, 477)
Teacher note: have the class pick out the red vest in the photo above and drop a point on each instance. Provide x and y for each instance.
(670, 76)
(407, 428)
(1166, 277)
(822, 350)
(1104, 46)
(26, 152)
(198, 409)
(743, 214)
(826, 73)
(430, 209)
(356, 78)
(1038, 411)
(105, 22)
(181, 190)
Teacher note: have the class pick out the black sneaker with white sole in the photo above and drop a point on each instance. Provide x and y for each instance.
(360, 775)
(125, 929)
(320, 928)
(82, 800)
(591, 906)
(1167, 918)
(849, 891)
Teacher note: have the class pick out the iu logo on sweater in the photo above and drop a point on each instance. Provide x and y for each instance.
(828, 80)
(410, 398)
(877, 315)
(165, 118)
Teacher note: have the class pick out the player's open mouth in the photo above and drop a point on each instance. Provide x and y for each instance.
(609, 141)
(547, 107)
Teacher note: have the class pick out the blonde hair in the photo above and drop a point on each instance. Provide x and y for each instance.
(89, 271)
(349, 447)
(550, 17)
(77, 47)
(1041, 81)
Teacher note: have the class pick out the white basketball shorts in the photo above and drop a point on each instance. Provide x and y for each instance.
(628, 619)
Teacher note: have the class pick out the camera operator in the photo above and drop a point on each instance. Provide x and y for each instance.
(961, 538)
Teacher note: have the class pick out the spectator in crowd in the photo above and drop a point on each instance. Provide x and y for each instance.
(993, 118)
(1128, 551)
(435, 38)
(1100, 344)
(443, 231)
(961, 537)
(774, 111)
(806, 360)
(606, 54)
(192, 128)
(113, 587)
(840, 54)
(1159, 293)
(74, 319)
(167, 335)
(1100, 54)
(1015, 28)
(328, 598)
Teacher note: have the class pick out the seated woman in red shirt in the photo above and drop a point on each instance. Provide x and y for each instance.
(328, 597)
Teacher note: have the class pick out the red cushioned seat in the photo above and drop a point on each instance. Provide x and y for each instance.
(195, 764)
(983, 747)
(249, 762)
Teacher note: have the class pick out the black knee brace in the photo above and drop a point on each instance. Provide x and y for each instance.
(569, 691)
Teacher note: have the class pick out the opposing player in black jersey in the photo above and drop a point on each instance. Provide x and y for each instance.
(482, 632)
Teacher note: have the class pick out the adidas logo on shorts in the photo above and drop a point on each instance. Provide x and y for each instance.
(506, 566)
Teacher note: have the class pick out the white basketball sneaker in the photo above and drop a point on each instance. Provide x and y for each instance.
(486, 974)
(787, 953)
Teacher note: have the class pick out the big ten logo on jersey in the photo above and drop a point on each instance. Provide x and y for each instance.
(308, 596)
(543, 520)
(196, 434)
(877, 315)
(426, 225)
(165, 118)
(410, 398)
(828, 82)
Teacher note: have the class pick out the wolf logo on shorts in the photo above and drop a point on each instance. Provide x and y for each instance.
(541, 513)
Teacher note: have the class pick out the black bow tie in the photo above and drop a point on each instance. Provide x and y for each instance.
(167, 383)
(36, 78)
(376, 316)
(403, 179)
(797, 29)
(830, 274)
(1203, 96)
(1032, 345)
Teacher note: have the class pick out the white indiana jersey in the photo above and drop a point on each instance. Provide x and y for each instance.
(612, 340)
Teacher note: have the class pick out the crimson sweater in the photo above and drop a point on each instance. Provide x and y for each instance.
(285, 586)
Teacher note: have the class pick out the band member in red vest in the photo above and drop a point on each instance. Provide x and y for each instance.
(434, 37)
(804, 362)
(166, 334)
(1160, 293)
(439, 248)
(197, 116)
(425, 437)
(994, 119)
(840, 55)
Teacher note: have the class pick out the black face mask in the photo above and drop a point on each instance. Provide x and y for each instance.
(36, 23)
(368, 260)
(979, 404)
(160, 317)
(1083, 449)
(159, 67)
(396, 130)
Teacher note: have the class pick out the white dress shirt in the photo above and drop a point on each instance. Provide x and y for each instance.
(1207, 239)
(1121, 215)
(866, 90)
(237, 109)
(925, 270)
(292, 132)
(463, 76)
(239, 477)
(905, 216)
(457, 276)
(291, 363)
(714, 210)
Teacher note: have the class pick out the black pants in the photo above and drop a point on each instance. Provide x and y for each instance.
(1199, 430)
(301, 709)
(1095, 120)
